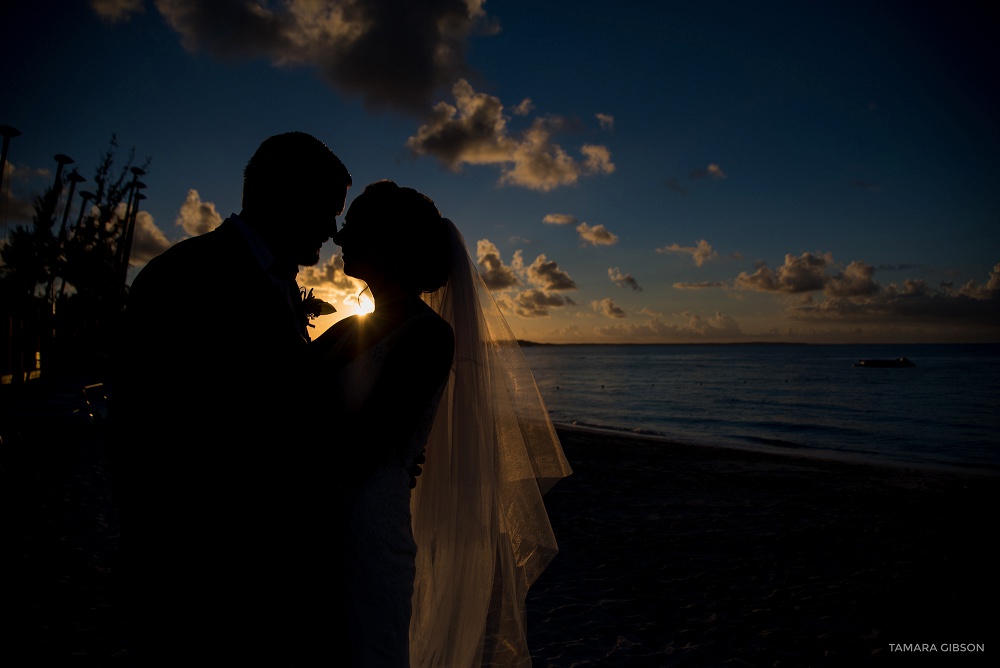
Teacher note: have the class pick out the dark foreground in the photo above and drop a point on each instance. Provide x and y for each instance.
(689, 556)
(669, 556)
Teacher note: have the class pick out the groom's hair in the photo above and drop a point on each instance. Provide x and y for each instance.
(288, 165)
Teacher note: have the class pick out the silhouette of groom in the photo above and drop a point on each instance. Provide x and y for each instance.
(215, 475)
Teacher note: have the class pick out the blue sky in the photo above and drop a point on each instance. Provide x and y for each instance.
(626, 172)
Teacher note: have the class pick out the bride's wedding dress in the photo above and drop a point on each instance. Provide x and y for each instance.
(464, 546)
(374, 504)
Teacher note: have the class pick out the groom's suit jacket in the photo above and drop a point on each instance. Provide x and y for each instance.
(206, 461)
(211, 345)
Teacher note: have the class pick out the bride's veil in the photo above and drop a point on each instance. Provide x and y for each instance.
(479, 522)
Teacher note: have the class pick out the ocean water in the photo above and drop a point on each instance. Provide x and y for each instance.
(803, 398)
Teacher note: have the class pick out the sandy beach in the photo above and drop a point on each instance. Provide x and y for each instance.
(670, 555)
(674, 555)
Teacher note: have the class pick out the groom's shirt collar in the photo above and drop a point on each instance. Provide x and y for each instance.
(280, 277)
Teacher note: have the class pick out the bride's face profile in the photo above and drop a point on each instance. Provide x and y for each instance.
(357, 244)
(372, 239)
(393, 239)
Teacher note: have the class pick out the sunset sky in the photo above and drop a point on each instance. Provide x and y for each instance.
(624, 172)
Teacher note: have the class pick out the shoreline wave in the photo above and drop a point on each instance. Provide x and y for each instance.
(797, 452)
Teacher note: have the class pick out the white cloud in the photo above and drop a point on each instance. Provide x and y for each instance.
(856, 280)
(533, 303)
(475, 131)
(559, 219)
(523, 108)
(117, 11)
(392, 54)
(197, 217)
(852, 295)
(986, 291)
(608, 308)
(547, 279)
(623, 280)
(16, 209)
(718, 327)
(701, 253)
(701, 285)
(797, 274)
(14, 172)
(149, 240)
(597, 235)
(495, 273)
(547, 275)
(329, 283)
(330, 275)
(18, 205)
(712, 171)
(598, 159)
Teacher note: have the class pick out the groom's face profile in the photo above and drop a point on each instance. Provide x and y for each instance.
(314, 222)
(294, 188)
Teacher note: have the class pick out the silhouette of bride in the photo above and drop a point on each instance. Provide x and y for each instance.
(436, 576)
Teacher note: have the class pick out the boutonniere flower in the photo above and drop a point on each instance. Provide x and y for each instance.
(314, 306)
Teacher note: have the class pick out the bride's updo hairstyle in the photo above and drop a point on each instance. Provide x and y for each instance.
(411, 231)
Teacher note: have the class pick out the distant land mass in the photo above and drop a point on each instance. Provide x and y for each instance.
(528, 344)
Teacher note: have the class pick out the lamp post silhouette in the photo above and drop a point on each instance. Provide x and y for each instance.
(133, 190)
(61, 160)
(85, 196)
(131, 227)
(131, 212)
(73, 178)
(12, 362)
(49, 322)
(7, 132)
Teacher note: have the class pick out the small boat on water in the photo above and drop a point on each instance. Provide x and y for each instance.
(899, 362)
